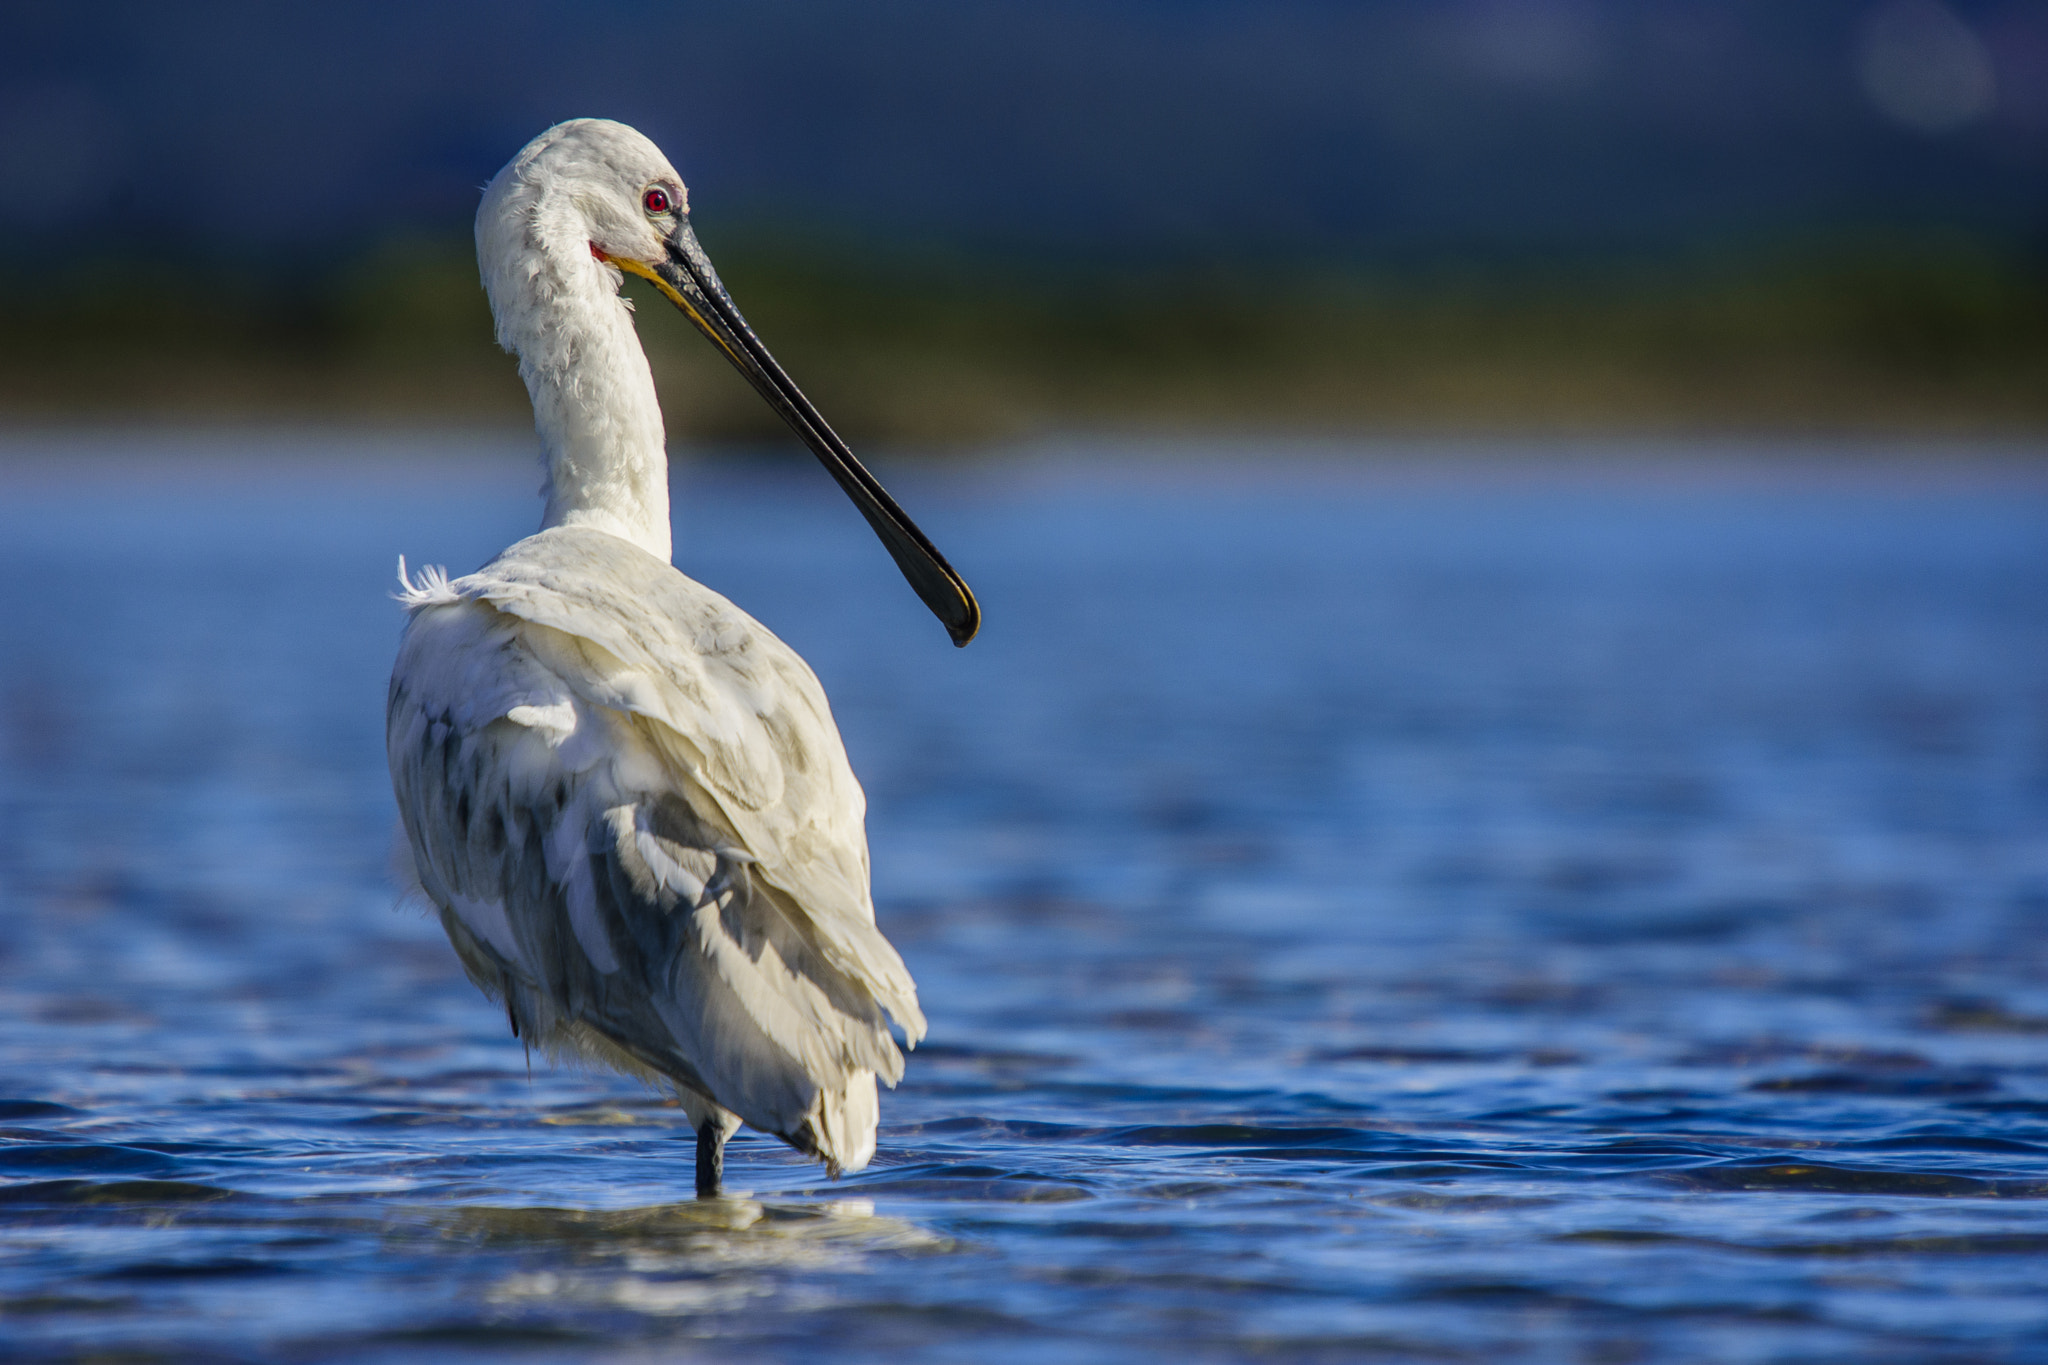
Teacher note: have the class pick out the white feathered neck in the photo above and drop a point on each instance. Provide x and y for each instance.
(558, 309)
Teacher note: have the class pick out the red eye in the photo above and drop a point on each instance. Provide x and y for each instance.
(656, 200)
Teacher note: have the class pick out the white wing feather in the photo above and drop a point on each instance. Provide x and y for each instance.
(633, 809)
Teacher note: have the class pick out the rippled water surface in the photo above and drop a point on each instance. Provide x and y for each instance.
(1364, 913)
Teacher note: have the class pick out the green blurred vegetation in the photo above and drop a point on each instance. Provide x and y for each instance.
(932, 349)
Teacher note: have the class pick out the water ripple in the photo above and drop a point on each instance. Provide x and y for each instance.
(1362, 917)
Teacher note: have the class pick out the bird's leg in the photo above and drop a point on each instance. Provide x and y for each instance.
(710, 1159)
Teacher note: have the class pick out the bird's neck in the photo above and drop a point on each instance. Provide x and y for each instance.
(602, 444)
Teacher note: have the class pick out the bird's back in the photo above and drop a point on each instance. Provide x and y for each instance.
(631, 806)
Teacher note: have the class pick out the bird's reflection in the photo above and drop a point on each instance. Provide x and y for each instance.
(698, 1228)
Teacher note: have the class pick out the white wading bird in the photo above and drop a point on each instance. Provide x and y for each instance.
(626, 797)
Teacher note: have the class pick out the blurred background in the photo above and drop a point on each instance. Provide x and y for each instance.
(960, 222)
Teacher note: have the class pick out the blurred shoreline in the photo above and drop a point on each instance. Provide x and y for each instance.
(501, 460)
(1930, 338)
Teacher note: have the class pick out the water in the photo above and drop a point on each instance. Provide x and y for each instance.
(1364, 913)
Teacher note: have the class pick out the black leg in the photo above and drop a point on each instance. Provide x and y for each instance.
(710, 1159)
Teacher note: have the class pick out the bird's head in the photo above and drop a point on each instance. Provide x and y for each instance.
(598, 186)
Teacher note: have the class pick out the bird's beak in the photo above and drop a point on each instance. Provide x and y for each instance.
(686, 277)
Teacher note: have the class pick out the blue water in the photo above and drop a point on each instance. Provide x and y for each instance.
(1392, 910)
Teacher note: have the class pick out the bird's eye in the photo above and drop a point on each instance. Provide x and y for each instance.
(656, 200)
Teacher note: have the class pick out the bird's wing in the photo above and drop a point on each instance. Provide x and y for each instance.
(593, 752)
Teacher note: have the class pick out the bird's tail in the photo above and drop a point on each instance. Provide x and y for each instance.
(840, 1129)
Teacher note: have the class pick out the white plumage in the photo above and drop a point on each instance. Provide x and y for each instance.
(626, 797)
